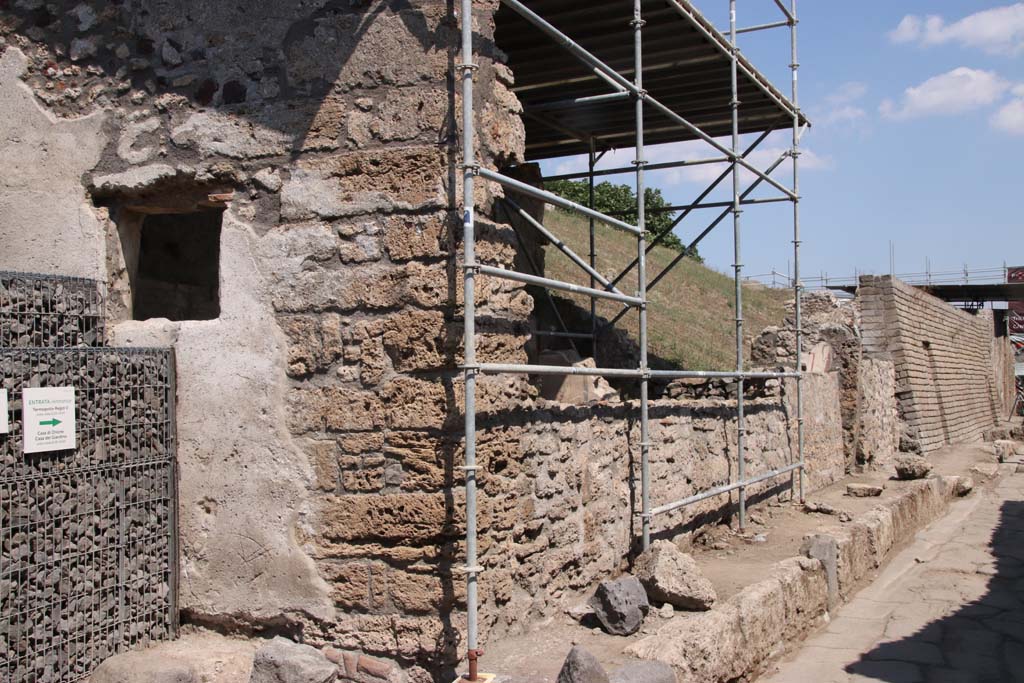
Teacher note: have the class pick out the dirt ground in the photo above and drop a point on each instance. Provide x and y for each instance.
(731, 560)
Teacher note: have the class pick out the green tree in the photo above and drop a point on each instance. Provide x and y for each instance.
(620, 201)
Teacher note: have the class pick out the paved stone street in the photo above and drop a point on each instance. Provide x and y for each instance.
(947, 609)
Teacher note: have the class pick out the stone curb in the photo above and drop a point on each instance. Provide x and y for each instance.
(740, 637)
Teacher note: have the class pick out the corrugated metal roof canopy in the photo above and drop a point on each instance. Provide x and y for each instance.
(685, 68)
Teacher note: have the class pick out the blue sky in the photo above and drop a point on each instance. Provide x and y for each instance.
(918, 112)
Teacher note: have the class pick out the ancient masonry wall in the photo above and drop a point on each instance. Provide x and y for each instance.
(1005, 371)
(832, 344)
(944, 364)
(318, 415)
(329, 126)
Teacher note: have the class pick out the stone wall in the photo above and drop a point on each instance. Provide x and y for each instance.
(878, 426)
(832, 344)
(943, 357)
(319, 414)
(560, 497)
(328, 385)
(1005, 368)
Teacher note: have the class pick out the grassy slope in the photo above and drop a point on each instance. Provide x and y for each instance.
(691, 311)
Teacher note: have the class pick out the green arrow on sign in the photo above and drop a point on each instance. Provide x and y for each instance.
(49, 423)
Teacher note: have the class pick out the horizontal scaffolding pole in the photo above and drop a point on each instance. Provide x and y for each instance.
(558, 284)
(498, 368)
(587, 58)
(568, 335)
(726, 488)
(718, 205)
(632, 169)
(762, 27)
(554, 199)
(714, 374)
(562, 247)
(558, 105)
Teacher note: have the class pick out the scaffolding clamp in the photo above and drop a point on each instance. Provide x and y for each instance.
(468, 66)
(474, 367)
(474, 168)
(469, 468)
(471, 268)
(637, 23)
(469, 570)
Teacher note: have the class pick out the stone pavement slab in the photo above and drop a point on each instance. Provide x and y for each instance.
(948, 609)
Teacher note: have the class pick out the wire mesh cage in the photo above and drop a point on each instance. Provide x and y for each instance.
(48, 311)
(88, 561)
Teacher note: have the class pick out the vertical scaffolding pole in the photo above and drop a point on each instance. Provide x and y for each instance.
(797, 287)
(641, 254)
(593, 250)
(469, 169)
(741, 466)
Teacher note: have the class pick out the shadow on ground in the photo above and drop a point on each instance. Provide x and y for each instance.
(983, 642)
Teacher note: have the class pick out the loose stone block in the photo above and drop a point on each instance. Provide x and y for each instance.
(912, 467)
(864, 490)
(621, 605)
(283, 661)
(673, 577)
(581, 667)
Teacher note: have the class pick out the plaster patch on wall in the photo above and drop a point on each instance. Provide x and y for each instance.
(244, 485)
(46, 222)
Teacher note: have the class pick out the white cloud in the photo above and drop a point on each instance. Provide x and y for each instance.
(1010, 117)
(908, 30)
(955, 92)
(847, 93)
(999, 30)
(842, 105)
(844, 114)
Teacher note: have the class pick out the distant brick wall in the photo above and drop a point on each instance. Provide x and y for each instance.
(945, 369)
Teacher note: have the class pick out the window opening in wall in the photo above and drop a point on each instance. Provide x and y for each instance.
(178, 274)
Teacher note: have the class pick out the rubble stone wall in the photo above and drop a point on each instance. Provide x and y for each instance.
(878, 425)
(326, 131)
(943, 358)
(319, 415)
(1006, 384)
(560, 501)
(832, 344)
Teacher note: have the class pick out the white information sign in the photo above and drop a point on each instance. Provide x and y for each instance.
(5, 426)
(48, 419)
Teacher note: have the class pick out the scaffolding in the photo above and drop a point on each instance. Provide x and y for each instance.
(700, 88)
